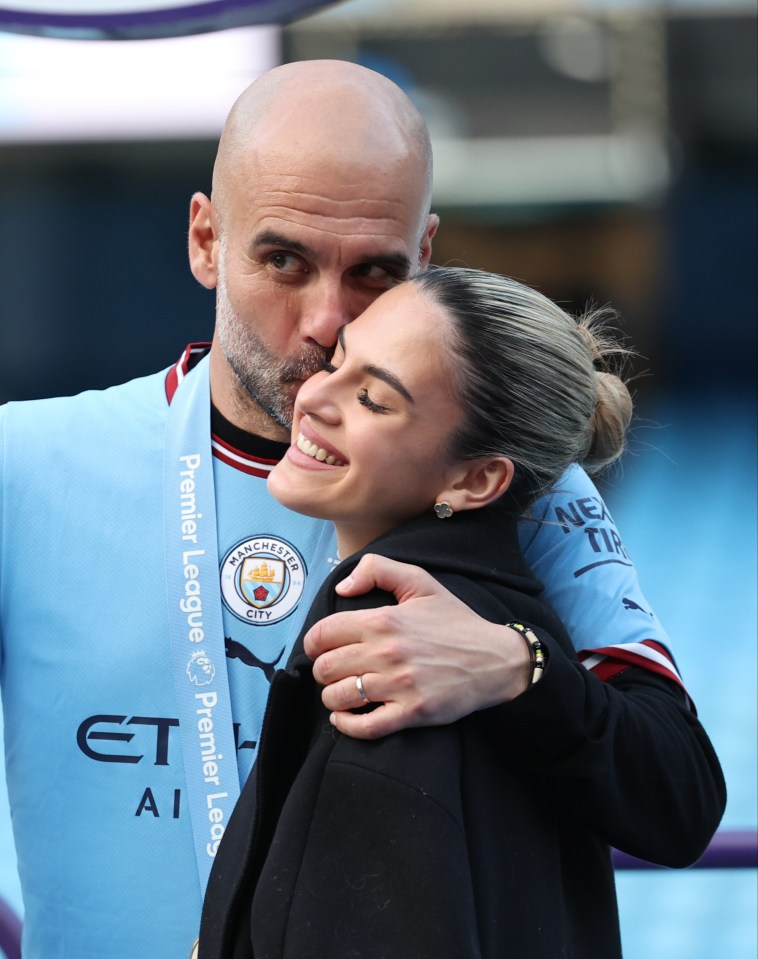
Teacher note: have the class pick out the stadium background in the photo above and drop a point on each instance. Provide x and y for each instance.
(597, 150)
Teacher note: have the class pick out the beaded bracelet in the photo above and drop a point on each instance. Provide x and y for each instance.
(537, 656)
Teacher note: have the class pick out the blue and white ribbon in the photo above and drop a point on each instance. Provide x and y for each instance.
(195, 617)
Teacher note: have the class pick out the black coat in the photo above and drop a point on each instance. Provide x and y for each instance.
(488, 837)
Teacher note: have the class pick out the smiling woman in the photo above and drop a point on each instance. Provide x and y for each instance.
(458, 396)
(383, 411)
(455, 387)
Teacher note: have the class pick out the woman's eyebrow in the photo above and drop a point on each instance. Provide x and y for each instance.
(389, 378)
(378, 371)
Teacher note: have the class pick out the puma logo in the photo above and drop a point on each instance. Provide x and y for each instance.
(235, 650)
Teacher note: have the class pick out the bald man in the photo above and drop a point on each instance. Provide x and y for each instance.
(136, 677)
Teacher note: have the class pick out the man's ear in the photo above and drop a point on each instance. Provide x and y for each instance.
(477, 483)
(425, 251)
(203, 241)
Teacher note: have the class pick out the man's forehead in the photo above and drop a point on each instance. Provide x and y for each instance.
(372, 196)
(330, 193)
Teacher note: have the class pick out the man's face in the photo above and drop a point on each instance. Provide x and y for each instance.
(266, 377)
(303, 253)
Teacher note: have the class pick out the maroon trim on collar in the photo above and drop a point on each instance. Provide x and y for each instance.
(239, 460)
(222, 449)
(193, 353)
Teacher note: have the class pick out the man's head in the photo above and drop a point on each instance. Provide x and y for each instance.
(320, 202)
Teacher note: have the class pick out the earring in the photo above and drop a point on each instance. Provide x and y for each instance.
(443, 510)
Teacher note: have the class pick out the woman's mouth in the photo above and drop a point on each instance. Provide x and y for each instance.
(317, 452)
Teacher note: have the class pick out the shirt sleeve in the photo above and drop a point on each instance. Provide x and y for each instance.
(627, 757)
(570, 540)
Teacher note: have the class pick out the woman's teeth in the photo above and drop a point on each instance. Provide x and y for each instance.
(310, 449)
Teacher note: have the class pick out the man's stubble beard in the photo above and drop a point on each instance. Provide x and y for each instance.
(264, 378)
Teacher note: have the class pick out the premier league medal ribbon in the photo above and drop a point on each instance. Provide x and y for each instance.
(195, 617)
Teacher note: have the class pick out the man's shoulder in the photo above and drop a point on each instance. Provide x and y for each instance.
(573, 504)
(85, 412)
(573, 545)
(574, 486)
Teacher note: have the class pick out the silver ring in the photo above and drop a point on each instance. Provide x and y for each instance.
(361, 690)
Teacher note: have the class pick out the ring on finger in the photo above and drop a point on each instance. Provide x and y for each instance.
(361, 690)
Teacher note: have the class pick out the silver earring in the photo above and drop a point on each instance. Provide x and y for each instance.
(443, 510)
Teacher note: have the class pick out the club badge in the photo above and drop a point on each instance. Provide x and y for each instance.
(262, 579)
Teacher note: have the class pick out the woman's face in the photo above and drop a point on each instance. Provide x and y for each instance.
(370, 434)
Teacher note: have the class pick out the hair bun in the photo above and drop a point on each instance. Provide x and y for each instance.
(614, 407)
(610, 422)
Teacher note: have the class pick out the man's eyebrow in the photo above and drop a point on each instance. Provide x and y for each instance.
(271, 238)
(378, 371)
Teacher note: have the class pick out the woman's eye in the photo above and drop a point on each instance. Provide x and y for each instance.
(365, 400)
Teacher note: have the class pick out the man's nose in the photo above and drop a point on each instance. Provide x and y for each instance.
(328, 307)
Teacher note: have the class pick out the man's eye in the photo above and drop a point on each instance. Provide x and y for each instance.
(376, 276)
(372, 270)
(287, 263)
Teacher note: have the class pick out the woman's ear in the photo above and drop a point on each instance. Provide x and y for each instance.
(477, 483)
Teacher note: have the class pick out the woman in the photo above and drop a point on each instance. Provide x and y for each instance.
(449, 406)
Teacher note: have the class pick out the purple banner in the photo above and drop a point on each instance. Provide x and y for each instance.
(729, 849)
(141, 21)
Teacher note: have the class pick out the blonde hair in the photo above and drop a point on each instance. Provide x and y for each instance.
(536, 384)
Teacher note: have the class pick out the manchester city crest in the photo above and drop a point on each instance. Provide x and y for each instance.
(262, 579)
